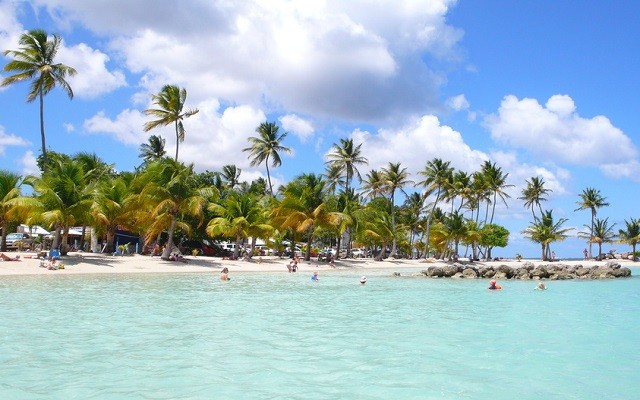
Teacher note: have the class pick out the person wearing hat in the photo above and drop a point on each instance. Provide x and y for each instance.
(363, 280)
(493, 285)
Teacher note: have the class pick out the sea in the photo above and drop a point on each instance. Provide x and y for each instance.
(282, 336)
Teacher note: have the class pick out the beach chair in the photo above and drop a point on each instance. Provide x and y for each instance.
(54, 254)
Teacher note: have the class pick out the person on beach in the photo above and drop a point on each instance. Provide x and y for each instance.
(540, 286)
(586, 254)
(5, 257)
(292, 266)
(177, 257)
(493, 285)
(363, 280)
(224, 274)
(314, 277)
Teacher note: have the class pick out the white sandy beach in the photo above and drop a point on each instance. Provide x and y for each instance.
(92, 263)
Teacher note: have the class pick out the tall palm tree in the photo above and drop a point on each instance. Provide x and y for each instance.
(591, 199)
(534, 193)
(267, 145)
(35, 60)
(436, 174)
(333, 177)
(631, 234)
(496, 181)
(170, 102)
(394, 178)
(545, 230)
(347, 157)
(456, 229)
(600, 232)
(154, 149)
(373, 185)
(9, 190)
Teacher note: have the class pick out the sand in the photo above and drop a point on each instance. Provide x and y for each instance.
(91, 263)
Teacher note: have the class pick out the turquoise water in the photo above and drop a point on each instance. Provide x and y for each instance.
(279, 336)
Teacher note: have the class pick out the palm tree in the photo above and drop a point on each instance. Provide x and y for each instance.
(35, 60)
(496, 182)
(267, 145)
(153, 150)
(630, 235)
(591, 199)
(456, 228)
(64, 197)
(534, 193)
(231, 175)
(168, 190)
(112, 208)
(303, 208)
(373, 185)
(239, 216)
(601, 232)
(545, 230)
(9, 190)
(333, 177)
(394, 178)
(346, 157)
(170, 102)
(436, 174)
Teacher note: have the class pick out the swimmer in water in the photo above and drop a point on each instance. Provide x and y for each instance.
(224, 274)
(540, 286)
(493, 285)
(314, 278)
(363, 280)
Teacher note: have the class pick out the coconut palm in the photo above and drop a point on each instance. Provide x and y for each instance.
(333, 177)
(153, 150)
(170, 102)
(394, 177)
(436, 174)
(631, 234)
(496, 182)
(168, 190)
(35, 61)
(456, 229)
(239, 216)
(231, 175)
(64, 197)
(591, 199)
(347, 157)
(373, 185)
(545, 230)
(303, 208)
(267, 145)
(601, 232)
(534, 193)
(112, 208)
(9, 190)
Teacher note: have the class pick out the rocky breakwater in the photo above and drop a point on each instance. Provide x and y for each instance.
(528, 271)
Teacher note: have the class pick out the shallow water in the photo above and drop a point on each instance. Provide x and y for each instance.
(280, 336)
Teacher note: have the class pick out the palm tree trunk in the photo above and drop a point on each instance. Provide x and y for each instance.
(426, 252)
(266, 163)
(393, 225)
(169, 247)
(42, 136)
(177, 140)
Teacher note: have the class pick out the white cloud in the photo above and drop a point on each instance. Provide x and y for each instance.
(354, 60)
(127, 128)
(29, 164)
(10, 140)
(92, 78)
(458, 102)
(298, 126)
(557, 133)
(417, 143)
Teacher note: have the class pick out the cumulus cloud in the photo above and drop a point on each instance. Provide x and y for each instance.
(29, 164)
(93, 78)
(125, 128)
(10, 140)
(458, 102)
(417, 143)
(555, 132)
(303, 129)
(361, 61)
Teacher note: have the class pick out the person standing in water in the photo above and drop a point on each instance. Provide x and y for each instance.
(224, 274)
(314, 277)
(493, 285)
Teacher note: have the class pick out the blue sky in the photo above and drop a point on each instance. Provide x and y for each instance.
(542, 88)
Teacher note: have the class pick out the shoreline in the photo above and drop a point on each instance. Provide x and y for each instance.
(93, 263)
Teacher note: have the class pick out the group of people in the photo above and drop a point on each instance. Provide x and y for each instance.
(493, 285)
